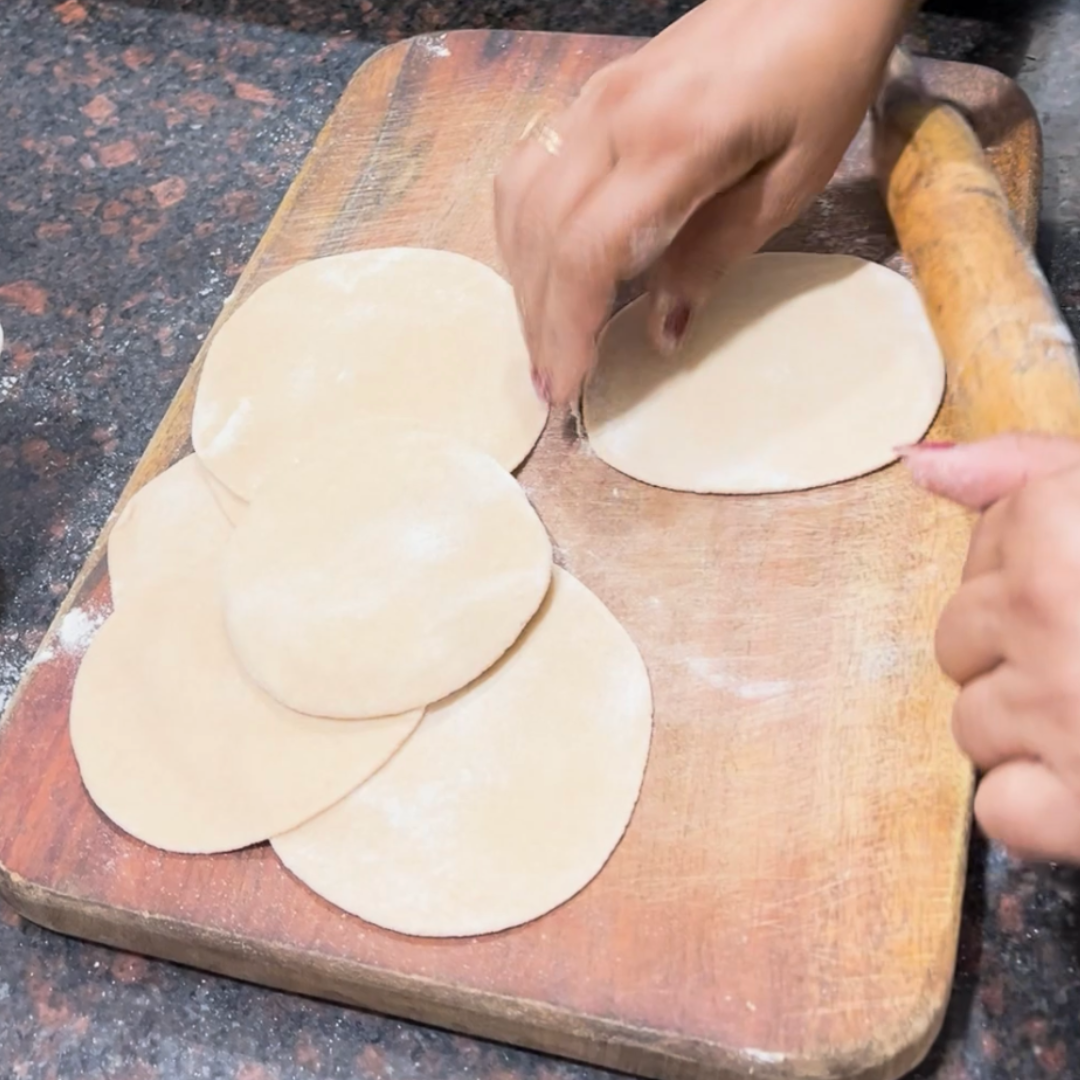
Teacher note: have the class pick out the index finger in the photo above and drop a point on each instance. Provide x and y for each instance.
(539, 188)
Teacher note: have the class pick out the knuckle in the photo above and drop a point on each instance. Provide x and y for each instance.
(991, 815)
(943, 644)
(961, 721)
(1028, 505)
(577, 251)
(1039, 548)
(983, 533)
(608, 86)
(1033, 592)
(786, 205)
(1061, 705)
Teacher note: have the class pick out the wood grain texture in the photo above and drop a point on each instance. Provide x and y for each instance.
(786, 901)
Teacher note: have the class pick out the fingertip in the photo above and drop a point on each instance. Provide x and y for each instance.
(969, 474)
(563, 382)
(979, 474)
(926, 463)
(1029, 809)
(542, 385)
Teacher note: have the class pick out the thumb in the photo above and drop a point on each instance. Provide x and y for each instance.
(978, 474)
(727, 228)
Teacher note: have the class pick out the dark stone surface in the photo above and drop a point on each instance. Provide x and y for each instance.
(143, 148)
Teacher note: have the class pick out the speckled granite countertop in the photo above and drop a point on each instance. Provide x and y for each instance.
(144, 145)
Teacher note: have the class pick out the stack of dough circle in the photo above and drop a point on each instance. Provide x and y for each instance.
(382, 572)
(431, 338)
(800, 371)
(337, 626)
(232, 506)
(173, 528)
(510, 797)
(174, 742)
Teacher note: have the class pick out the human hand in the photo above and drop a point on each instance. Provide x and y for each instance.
(683, 157)
(1010, 636)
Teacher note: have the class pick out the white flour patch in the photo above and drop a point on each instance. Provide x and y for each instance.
(765, 1057)
(342, 275)
(43, 657)
(880, 660)
(231, 430)
(375, 263)
(712, 672)
(426, 542)
(435, 46)
(74, 636)
(78, 629)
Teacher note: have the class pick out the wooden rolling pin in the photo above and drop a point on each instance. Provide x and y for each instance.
(1011, 361)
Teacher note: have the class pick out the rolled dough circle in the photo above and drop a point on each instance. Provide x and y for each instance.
(171, 528)
(232, 506)
(511, 796)
(429, 337)
(382, 572)
(181, 750)
(800, 371)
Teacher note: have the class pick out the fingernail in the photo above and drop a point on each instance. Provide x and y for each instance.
(542, 386)
(674, 322)
(926, 460)
(916, 447)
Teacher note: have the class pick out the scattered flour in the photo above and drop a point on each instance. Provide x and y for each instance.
(72, 639)
(880, 660)
(435, 45)
(74, 636)
(231, 430)
(713, 673)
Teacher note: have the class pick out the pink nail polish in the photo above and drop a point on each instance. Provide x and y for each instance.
(916, 447)
(675, 323)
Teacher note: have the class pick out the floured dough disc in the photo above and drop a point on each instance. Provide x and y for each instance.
(231, 505)
(383, 571)
(430, 337)
(182, 751)
(172, 528)
(510, 797)
(802, 370)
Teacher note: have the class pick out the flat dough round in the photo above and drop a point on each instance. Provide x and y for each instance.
(429, 337)
(172, 528)
(231, 505)
(802, 370)
(382, 572)
(511, 796)
(182, 751)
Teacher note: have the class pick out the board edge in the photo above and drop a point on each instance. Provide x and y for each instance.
(530, 1025)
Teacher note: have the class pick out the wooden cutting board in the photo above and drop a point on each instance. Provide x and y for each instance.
(786, 901)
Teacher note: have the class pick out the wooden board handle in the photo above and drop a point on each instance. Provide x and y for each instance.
(1010, 357)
